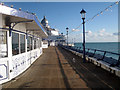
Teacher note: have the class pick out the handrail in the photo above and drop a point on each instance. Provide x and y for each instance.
(94, 53)
(102, 51)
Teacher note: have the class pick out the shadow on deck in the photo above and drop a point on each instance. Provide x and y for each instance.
(59, 68)
(94, 77)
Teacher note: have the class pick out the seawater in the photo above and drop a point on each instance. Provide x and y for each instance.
(106, 46)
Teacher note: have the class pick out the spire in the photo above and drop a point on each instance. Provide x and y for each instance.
(44, 17)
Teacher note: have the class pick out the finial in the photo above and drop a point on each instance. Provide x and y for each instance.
(11, 6)
(20, 9)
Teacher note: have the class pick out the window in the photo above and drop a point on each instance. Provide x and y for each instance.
(35, 41)
(3, 44)
(40, 42)
(29, 43)
(22, 43)
(15, 43)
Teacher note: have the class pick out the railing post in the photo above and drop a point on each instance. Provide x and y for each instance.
(104, 55)
(88, 50)
(79, 48)
(94, 52)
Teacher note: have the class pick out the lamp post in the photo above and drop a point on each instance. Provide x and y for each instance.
(67, 35)
(83, 18)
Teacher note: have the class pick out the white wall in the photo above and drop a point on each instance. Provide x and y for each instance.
(54, 33)
(44, 44)
(8, 69)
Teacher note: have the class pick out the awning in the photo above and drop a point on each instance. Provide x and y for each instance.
(33, 25)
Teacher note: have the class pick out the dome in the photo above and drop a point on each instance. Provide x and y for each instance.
(44, 21)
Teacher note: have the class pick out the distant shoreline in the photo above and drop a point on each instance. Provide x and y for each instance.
(98, 42)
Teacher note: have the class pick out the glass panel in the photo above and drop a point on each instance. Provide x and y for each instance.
(15, 43)
(38, 43)
(3, 44)
(35, 43)
(22, 43)
(29, 43)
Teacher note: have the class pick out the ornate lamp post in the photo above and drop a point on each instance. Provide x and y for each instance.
(67, 35)
(83, 12)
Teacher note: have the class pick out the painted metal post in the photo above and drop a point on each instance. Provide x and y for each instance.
(67, 35)
(83, 18)
(84, 60)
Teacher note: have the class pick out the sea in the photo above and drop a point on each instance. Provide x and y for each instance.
(106, 46)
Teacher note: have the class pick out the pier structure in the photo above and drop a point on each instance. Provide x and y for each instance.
(100, 58)
(59, 68)
(21, 36)
(25, 65)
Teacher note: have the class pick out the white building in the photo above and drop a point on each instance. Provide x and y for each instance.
(20, 41)
(54, 38)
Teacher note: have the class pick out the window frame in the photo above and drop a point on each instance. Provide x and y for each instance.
(20, 42)
(31, 43)
(5, 30)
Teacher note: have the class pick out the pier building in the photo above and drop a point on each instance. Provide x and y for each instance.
(54, 37)
(21, 36)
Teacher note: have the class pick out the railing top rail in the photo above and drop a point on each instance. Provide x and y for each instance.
(103, 51)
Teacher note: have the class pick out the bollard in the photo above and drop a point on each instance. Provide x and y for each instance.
(73, 60)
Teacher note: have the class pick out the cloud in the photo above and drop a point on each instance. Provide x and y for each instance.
(89, 32)
(102, 31)
(100, 36)
(75, 30)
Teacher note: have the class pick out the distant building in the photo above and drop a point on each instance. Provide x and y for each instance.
(54, 38)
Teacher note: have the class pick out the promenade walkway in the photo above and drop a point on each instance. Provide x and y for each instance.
(58, 68)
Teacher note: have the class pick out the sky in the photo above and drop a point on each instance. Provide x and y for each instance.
(102, 28)
(58, 0)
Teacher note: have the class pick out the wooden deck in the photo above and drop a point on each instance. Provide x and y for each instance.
(58, 68)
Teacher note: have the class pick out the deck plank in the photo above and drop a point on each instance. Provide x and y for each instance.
(56, 69)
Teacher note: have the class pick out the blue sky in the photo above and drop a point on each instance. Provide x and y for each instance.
(67, 14)
(58, 0)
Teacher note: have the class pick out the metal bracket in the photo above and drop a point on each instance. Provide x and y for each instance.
(15, 23)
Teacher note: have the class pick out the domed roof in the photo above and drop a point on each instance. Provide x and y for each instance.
(44, 21)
